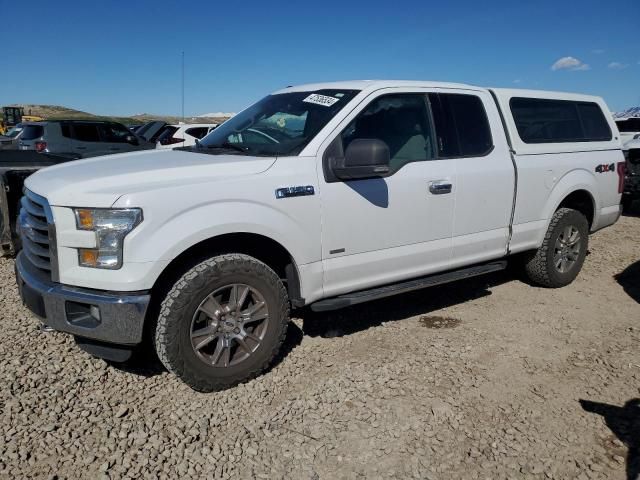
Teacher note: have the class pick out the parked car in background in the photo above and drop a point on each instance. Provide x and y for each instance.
(9, 141)
(15, 167)
(632, 173)
(369, 189)
(629, 128)
(80, 138)
(171, 136)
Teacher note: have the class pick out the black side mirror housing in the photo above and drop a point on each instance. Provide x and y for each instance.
(364, 158)
(131, 139)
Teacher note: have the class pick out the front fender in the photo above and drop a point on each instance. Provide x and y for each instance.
(164, 239)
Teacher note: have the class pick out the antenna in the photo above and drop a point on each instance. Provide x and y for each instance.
(183, 86)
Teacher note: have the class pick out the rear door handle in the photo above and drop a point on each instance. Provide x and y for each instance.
(439, 187)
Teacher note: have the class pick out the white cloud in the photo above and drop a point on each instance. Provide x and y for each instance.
(597, 51)
(617, 66)
(517, 80)
(569, 63)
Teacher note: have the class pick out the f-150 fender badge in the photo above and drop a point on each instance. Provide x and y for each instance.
(605, 168)
(298, 191)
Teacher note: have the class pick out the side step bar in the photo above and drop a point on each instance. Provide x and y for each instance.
(362, 296)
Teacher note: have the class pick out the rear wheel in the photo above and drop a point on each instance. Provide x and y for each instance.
(560, 257)
(223, 322)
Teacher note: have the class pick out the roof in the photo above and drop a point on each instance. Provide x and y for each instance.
(547, 94)
(373, 85)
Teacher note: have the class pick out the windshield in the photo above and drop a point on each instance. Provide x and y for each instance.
(14, 131)
(279, 124)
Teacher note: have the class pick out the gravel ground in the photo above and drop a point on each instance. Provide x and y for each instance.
(480, 379)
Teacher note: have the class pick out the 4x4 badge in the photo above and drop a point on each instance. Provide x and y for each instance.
(605, 168)
(299, 191)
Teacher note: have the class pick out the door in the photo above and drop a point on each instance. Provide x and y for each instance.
(114, 136)
(86, 140)
(485, 173)
(383, 230)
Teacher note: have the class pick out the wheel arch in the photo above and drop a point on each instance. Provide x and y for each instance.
(261, 247)
(578, 190)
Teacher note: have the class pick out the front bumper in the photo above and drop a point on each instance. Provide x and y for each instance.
(112, 317)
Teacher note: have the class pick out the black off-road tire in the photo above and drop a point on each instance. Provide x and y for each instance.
(173, 328)
(539, 266)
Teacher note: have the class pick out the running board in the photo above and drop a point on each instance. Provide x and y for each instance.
(362, 296)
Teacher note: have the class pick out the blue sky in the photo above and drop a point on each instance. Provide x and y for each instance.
(120, 58)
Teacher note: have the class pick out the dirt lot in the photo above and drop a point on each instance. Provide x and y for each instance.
(489, 378)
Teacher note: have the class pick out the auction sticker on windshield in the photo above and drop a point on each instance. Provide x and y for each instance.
(323, 100)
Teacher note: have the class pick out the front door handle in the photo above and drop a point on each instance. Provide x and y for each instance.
(439, 187)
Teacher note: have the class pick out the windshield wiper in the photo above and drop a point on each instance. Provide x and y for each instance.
(228, 146)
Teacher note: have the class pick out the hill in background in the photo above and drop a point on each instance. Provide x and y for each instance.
(629, 112)
(56, 112)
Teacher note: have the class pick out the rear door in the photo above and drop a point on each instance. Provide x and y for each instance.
(469, 133)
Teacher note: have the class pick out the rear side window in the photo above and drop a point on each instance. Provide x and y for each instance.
(86, 132)
(629, 125)
(65, 128)
(31, 132)
(198, 132)
(461, 124)
(555, 121)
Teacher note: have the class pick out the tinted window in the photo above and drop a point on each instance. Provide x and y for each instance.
(31, 132)
(461, 124)
(401, 121)
(552, 121)
(113, 133)
(65, 128)
(629, 125)
(594, 125)
(198, 132)
(86, 132)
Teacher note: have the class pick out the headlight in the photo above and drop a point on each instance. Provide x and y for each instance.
(110, 227)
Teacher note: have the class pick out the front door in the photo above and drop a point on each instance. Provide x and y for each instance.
(382, 230)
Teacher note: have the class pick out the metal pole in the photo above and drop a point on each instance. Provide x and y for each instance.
(183, 86)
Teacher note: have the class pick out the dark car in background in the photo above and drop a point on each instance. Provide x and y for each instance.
(15, 167)
(632, 173)
(80, 139)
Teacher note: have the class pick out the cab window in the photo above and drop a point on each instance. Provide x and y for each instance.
(399, 120)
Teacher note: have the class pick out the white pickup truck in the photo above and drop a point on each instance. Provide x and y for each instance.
(323, 195)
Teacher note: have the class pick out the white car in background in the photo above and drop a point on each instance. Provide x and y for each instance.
(629, 129)
(183, 135)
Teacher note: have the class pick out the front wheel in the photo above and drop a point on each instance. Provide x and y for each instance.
(222, 323)
(560, 257)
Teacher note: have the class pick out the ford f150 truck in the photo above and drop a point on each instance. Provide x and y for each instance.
(323, 195)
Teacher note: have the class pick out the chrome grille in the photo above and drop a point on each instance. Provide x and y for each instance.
(37, 232)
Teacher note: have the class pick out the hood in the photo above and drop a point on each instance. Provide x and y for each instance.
(98, 182)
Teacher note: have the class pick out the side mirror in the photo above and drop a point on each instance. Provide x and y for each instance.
(131, 139)
(364, 158)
